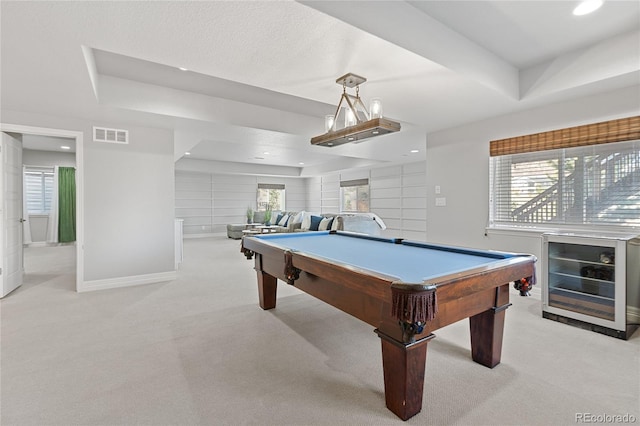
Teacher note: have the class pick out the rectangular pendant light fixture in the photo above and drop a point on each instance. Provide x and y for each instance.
(360, 124)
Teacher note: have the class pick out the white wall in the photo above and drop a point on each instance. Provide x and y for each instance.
(32, 157)
(398, 197)
(385, 186)
(330, 193)
(314, 194)
(128, 200)
(458, 161)
(414, 201)
(396, 193)
(194, 201)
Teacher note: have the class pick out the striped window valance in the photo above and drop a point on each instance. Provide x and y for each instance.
(624, 129)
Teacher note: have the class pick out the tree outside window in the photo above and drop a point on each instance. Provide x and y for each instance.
(354, 196)
(270, 196)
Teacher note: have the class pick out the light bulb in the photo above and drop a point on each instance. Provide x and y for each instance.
(375, 106)
(349, 118)
(329, 122)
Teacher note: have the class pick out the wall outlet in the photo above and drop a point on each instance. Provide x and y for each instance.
(441, 201)
(437, 189)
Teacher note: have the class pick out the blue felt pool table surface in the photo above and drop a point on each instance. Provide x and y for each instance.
(409, 261)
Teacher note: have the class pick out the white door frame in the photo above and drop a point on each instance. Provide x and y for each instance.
(79, 137)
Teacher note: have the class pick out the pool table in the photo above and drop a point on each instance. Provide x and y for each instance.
(406, 289)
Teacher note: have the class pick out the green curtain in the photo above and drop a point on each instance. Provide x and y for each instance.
(67, 204)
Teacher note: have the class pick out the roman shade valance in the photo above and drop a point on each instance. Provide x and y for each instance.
(354, 182)
(270, 186)
(624, 129)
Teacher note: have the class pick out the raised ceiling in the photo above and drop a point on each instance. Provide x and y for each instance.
(262, 74)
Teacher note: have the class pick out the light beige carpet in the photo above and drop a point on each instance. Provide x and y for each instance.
(199, 351)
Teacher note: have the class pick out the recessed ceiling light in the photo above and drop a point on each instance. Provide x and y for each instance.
(187, 153)
(301, 163)
(65, 147)
(586, 7)
(414, 151)
(266, 153)
(183, 69)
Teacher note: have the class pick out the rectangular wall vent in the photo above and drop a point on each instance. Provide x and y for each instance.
(102, 134)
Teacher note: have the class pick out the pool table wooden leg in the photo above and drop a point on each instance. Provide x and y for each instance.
(267, 286)
(487, 329)
(404, 366)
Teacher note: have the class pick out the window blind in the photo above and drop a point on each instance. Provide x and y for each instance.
(39, 189)
(587, 185)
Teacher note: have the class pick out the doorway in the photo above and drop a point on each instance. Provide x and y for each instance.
(33, 136)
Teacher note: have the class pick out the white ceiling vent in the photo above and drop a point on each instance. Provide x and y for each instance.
(102, 134)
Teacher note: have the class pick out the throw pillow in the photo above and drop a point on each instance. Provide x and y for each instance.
(335, 226)
(283, 220)
(325, 224)
(278, 218)
(306, 222)
(298, 217)
(315, 222)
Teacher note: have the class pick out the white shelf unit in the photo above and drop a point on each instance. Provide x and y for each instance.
(592, 281)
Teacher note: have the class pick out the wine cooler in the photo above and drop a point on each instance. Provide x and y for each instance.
(592, 281)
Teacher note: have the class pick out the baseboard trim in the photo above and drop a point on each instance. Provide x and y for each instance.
(127, 281)
(46, 244)
(207, 235)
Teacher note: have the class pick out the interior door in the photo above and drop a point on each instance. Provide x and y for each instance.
(11, 205)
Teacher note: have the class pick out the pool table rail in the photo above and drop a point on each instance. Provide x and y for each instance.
(373, 283)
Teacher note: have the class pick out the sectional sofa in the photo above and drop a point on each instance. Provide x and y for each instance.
(366, 223)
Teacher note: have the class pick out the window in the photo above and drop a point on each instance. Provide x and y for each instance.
(596, 184)
(270, 195)
(354, 196)
(39, 188)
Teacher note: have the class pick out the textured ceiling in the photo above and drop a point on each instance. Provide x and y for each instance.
(262, 74)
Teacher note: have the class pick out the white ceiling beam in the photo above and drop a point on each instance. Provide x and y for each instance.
(344, 163)
(165, 101)
(228, 167)
(426, 37)
(90, 61)
(612, 58)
